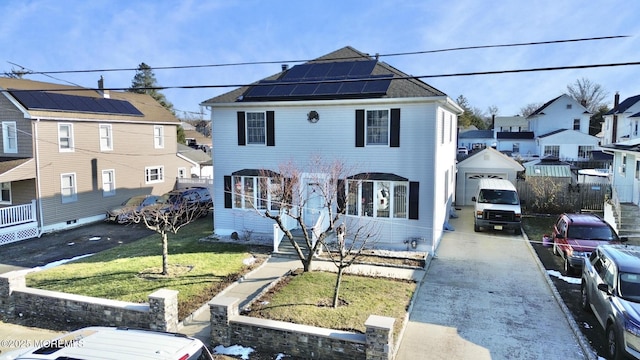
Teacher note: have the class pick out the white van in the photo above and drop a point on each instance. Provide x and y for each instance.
(117, 344)
(497, 206)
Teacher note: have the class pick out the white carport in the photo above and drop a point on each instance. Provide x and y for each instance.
(488, 163)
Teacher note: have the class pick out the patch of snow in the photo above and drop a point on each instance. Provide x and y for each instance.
(249, 261)
(61, 262)
(233, 350)
(587, 326)
(71, 243)
(95, 238)
(569, 279)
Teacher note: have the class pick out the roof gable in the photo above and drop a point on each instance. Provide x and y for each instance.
(490, 157)
(547, 105)
(624, 106)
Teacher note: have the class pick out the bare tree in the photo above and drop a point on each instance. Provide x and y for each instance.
(587, 93)
(343, 252)
(530, 108)
(295, 193)
(169, 217)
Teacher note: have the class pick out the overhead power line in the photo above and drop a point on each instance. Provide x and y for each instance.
(345, 58)
(408, 77)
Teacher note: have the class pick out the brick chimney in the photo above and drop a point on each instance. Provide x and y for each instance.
(614, 123)
(101, 90)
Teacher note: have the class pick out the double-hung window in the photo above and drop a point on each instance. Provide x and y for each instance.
(154, 174)
(108, 182)
(68, 188)
(377, 198)
(158, 136)
(65, 136)
(377, 127)
(256, 128)
(9, 137)
(576, 124)
(106, 137)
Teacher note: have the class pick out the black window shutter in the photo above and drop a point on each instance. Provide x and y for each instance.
(395, 128)
(341, 197)
(271, 137)
(359, 128)
(227, 192)
(241, 130)
(414, 192)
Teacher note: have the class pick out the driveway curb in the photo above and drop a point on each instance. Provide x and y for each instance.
(584, 344)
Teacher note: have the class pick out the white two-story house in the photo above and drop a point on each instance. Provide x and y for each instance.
(398, 131)
(561, 128)
(622, 138)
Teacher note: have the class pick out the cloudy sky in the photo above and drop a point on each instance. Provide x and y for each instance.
(68, 35)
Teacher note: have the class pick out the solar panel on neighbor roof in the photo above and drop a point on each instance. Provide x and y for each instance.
(295, 83)
(42, 100)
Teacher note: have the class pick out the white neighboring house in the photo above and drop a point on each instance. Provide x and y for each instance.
(513, 137)
(200, 161)
(401, 133)
(568, 118)
(624, 143)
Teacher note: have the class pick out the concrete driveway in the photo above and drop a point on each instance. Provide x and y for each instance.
(485, 296)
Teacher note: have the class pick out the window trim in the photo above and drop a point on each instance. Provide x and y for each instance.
(393, 188)
(247, 128)
(108, 137)
(158, 137)
(367, 141)
(148, 174)
(9, 132)
(70, 147)
(73, 197)
(112, 183)
(6, 202)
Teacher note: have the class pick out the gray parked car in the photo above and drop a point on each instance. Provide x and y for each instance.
(123, 214)
(611, 290)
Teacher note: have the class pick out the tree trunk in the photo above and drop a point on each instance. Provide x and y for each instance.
(165, 254)
(336, 290)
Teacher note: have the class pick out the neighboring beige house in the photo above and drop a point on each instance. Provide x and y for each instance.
(70, 153)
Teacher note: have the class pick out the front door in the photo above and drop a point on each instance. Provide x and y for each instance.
(313, 205)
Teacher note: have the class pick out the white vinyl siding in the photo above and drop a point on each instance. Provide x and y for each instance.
(106, 137)
(9, 137)
(65, 137)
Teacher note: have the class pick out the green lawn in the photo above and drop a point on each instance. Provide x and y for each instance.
(131, 272)
(537, 226)
(306, 299)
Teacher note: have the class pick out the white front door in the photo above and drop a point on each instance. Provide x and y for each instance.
(314, 202)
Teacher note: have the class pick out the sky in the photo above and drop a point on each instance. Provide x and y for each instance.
(72, 35)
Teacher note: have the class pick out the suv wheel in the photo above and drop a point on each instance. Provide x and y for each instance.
(613, 345)
(584, 298)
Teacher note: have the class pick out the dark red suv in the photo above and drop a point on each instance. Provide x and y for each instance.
(575, 236)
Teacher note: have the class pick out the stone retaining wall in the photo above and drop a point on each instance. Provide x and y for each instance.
(300, 341)
(19, 301)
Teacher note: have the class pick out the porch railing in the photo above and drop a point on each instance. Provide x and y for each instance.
(289, 224)
(18, 214)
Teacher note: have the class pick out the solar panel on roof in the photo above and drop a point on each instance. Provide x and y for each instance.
(42, 100)
(307, 81)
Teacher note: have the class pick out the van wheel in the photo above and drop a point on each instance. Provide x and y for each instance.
(517, 231)
(476, 228)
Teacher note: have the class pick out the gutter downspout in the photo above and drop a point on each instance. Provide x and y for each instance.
(38, 178)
